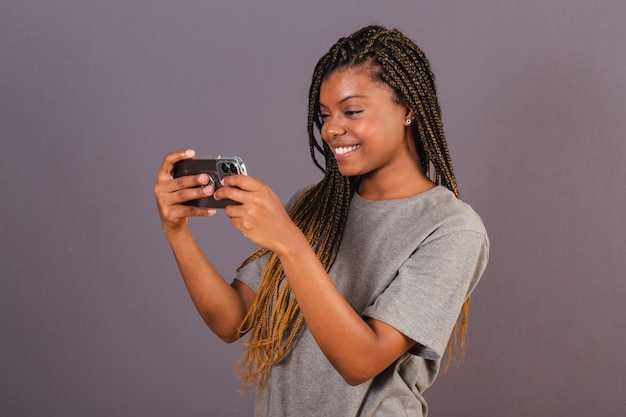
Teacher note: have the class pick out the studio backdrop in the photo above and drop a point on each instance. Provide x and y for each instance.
(94, 317)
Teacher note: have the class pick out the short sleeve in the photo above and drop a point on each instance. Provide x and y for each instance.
(251, 273)
(425, 298)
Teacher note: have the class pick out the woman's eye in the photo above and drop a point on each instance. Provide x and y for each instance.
(353, 112)
(323, 116)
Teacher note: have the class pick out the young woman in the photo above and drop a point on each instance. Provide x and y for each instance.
(352, 300)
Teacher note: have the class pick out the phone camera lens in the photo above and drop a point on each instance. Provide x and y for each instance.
(225, 168)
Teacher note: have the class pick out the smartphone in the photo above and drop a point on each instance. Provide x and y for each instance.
(217, 167)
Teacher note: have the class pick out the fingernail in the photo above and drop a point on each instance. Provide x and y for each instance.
(190, 152)
(208, 189)
(211, 212)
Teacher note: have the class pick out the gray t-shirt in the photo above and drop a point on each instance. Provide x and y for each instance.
(410, 263)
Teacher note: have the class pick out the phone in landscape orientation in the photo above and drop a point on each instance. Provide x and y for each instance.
(217, 167)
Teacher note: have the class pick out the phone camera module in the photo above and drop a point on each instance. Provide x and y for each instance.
(229, 168)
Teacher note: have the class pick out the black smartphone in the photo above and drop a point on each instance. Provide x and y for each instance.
(217, 167)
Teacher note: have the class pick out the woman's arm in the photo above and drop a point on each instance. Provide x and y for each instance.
(357, 348)
(221, 306)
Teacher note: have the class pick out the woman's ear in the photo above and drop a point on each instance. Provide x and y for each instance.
(408, 117)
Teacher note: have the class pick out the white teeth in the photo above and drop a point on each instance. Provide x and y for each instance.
(345, 149)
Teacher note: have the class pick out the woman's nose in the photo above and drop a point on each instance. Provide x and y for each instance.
(333, 127)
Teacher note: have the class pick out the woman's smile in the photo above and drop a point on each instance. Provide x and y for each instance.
(343, 152)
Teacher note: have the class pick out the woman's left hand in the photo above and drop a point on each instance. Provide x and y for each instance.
(261, 216)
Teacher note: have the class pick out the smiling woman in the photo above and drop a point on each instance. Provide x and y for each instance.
(351, 301)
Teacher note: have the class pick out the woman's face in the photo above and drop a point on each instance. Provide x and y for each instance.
(363, 125)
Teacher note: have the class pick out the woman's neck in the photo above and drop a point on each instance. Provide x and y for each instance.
(381, 186)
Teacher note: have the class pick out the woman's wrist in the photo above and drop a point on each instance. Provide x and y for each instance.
(294, 245)
(176, 232)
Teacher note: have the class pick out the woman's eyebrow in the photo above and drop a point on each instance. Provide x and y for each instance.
(346, 99)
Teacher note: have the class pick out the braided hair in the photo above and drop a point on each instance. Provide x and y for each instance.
(274, 320)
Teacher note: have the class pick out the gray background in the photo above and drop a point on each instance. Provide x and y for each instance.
(94, 319)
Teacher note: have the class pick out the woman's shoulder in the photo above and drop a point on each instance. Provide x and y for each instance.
(296, 196)
(452, 213)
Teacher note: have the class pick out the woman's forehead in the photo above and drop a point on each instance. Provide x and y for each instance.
(345, 83)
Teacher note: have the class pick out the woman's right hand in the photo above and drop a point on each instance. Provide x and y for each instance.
(171, 192)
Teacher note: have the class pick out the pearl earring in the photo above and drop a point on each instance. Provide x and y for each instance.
(408, 121)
